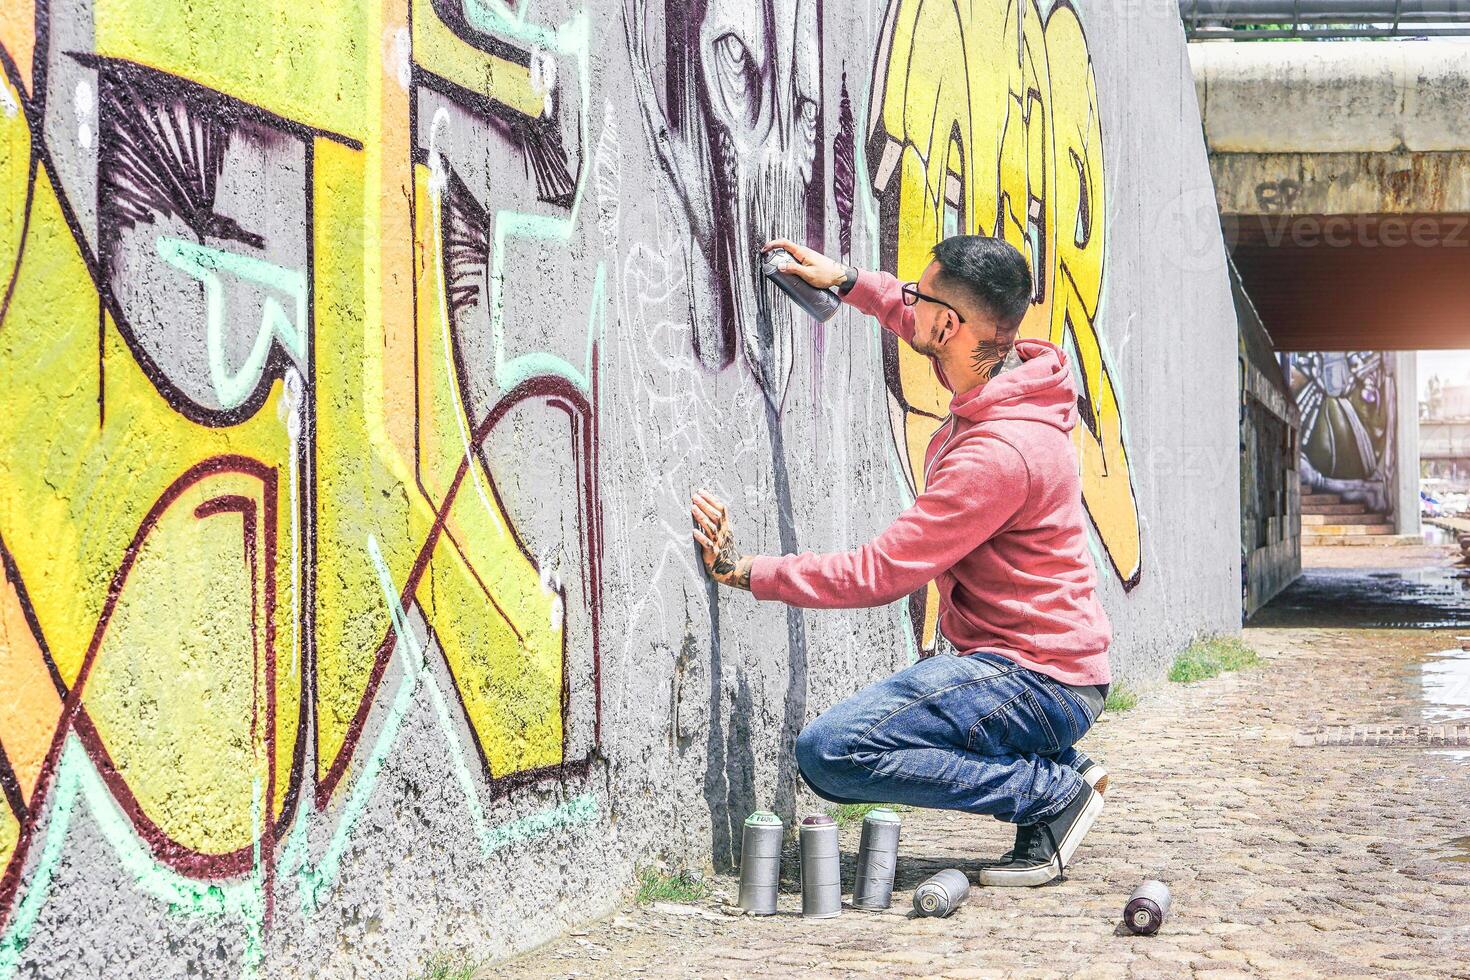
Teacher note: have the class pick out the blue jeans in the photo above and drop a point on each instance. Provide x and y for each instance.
(978, 733)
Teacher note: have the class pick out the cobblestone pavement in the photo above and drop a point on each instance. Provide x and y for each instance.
(1284, 859)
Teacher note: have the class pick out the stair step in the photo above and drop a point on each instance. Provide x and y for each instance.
(1320, 498)
(1344, 530)
(1319, 508)
(1348, 519)
(1360, 540)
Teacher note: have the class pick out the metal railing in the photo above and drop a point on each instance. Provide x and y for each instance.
(1264, 20)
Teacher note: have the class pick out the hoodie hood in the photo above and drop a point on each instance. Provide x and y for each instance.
(1041, 389)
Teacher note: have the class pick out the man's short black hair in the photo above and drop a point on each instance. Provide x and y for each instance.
(988, 272)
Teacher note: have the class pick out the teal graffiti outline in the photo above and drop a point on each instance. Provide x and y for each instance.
(185, 897)
(572, 39)
(204, 263)
(314, 881)
(244, 899)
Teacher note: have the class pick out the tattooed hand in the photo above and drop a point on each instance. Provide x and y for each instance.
(716, 540)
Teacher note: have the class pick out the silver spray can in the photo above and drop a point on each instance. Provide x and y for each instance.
(821, 868)
(1147, 907)
(760, 863)
(942, 894)
(877, 859)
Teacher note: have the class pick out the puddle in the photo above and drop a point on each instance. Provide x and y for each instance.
(1437, 536)
(1459, 851)
(1444, 680)
(1433, 597)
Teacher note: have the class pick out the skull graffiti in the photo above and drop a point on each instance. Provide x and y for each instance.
(735, 127)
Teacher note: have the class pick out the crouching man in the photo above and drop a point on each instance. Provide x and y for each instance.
(1000, 528)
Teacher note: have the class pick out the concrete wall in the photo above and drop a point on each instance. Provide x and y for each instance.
(1270, 483)
(359, 360)
(1406, 491)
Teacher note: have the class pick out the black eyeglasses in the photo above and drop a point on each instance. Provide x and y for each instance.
(911, 295)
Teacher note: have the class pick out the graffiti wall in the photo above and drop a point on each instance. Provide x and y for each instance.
(357, 360)
(1348, 401)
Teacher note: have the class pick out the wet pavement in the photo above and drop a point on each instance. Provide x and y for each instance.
(1444, 679)
(1436, 597)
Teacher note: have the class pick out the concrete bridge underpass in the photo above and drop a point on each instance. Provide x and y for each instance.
(1342, 175)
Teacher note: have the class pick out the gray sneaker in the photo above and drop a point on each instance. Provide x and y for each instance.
(1044, 849)
(1097, 778)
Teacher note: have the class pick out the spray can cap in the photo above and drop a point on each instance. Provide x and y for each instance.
(763, 818)
(817, 820)
(883, 815)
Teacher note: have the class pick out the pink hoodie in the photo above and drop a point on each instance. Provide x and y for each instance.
(999, 525)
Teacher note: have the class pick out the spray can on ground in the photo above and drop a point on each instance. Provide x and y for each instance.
(1147, 907)
(821, 868)
(942, 894)
(760, 863)
(877, 858)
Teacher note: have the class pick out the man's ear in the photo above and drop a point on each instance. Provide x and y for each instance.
(950, 328)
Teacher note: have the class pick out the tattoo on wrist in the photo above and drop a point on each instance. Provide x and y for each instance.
(741, 579)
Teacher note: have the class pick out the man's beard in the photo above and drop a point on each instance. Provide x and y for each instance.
(927, 349)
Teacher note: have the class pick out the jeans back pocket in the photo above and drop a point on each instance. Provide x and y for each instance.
(1018, 726)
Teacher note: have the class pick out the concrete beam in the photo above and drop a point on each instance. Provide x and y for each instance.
(1406, 182)
(1344, 97)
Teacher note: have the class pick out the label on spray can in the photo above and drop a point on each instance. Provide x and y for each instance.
(760, 863)
(821, 868)
(877, 860)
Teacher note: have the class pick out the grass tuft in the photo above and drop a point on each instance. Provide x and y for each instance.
(847, 814)
(659, 886)
(1120, 698)
(1209, 656)
(447, 967)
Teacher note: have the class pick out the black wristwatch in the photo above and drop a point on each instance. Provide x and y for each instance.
(848, 281)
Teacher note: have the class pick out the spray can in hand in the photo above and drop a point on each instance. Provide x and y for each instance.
(877, 859)
(821, 868)
(760, 863)
(1147, 907)
(940, 895)
(820, 304)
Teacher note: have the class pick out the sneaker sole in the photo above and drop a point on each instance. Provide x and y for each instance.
(1031, 877)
